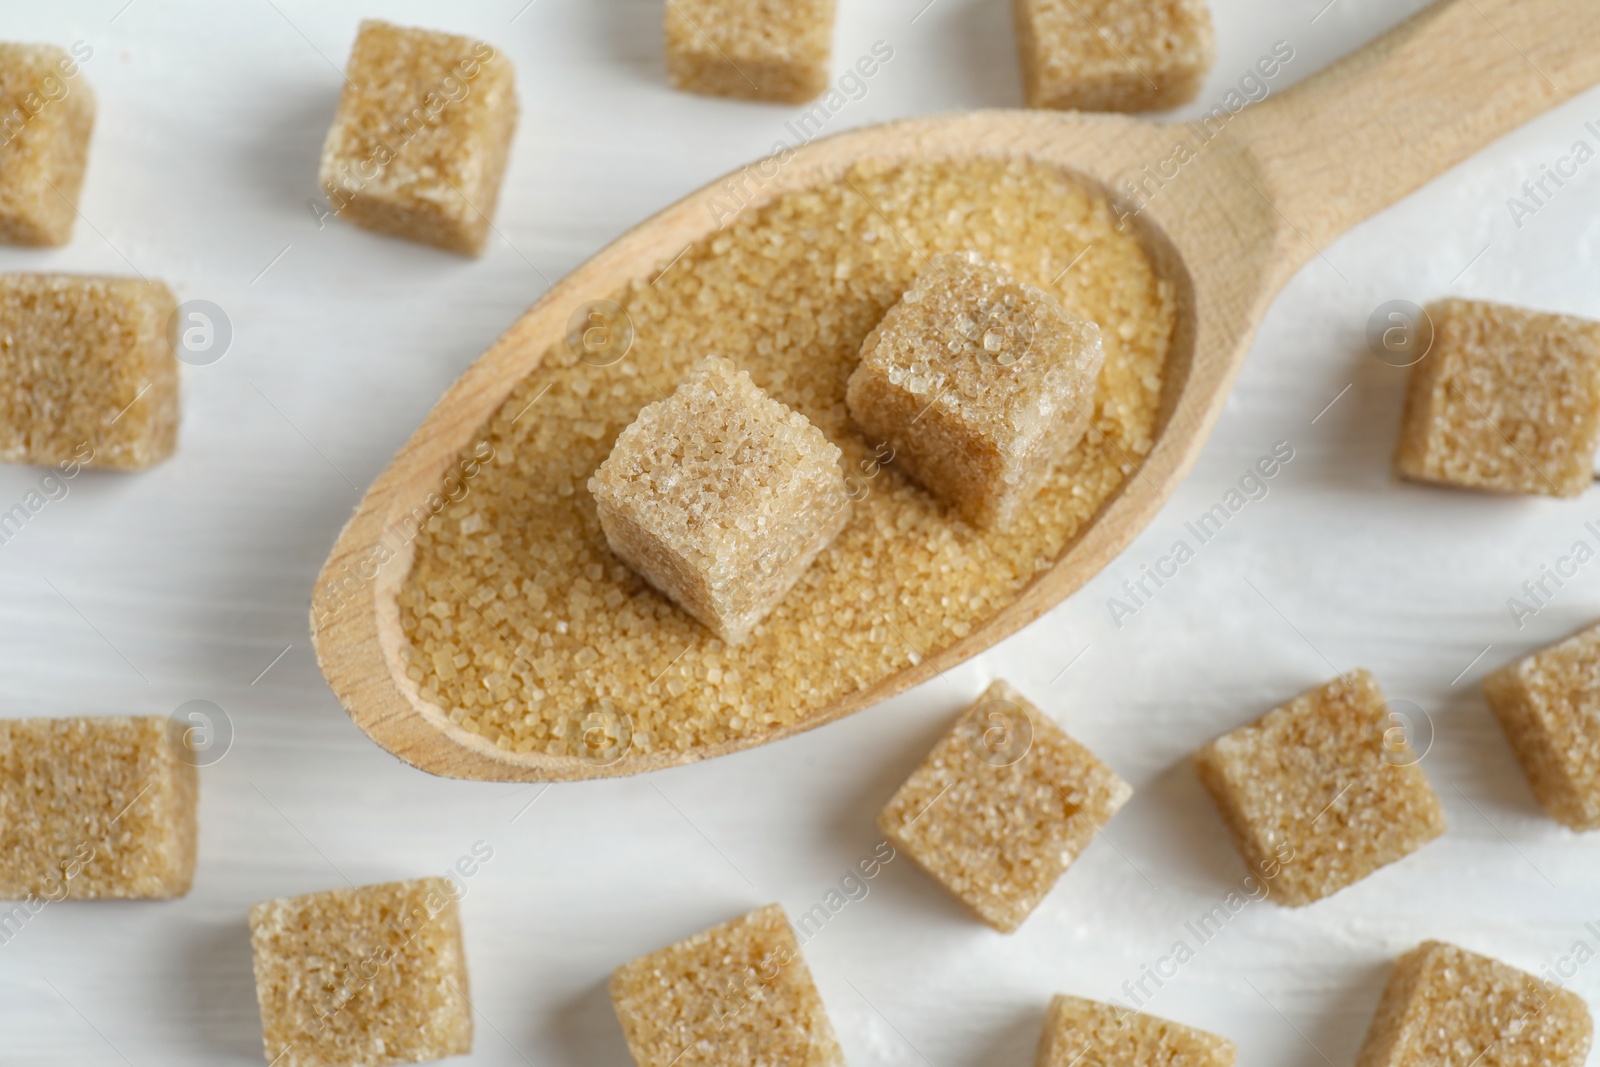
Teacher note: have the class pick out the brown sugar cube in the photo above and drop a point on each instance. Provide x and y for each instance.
(1113, 55)
(1322, 791)
(421, 137)
(1001, 807)
(753, 49)
(95, 808)
(88, 374)
(1447, 1007)
(739, 993)
(979, 383)
(1088, 1033)
(721, 497)
(1548, 705)
(1506, 400)
(374, 975)
(46, 116)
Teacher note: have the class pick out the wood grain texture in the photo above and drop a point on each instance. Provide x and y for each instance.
(1389, 118)
(1252, 206)
(191, 580)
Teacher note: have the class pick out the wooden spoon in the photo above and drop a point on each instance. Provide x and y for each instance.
(1274, 184)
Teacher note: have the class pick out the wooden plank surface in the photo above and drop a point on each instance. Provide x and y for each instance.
(137, 594)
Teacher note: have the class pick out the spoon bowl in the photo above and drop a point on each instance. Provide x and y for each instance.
(1227, 210)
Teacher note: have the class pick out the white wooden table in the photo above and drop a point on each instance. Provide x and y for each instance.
(135, 594)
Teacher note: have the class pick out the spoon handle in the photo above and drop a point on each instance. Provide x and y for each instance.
(1376, 126)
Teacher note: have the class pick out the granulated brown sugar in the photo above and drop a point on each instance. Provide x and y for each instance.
(720, 497)
(419, 144)
(739, 993)
(46, 115)
(1506, 400)
(1113, 55)
(1447, 1007)
(1546, 705)
(1322, 791)
(521, 622)
(98, 807)
(754, 49)
(1088, 1033)
(978, 383)
(374, 975)
(88, 373)
(1001, 807)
